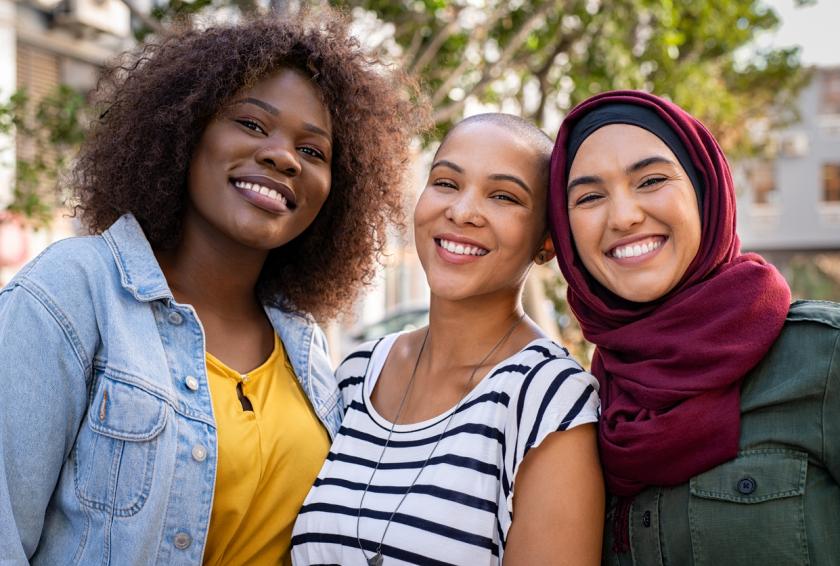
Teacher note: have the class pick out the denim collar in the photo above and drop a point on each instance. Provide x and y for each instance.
(140, 273)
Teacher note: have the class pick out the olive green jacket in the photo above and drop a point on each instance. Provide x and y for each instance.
(778, 502)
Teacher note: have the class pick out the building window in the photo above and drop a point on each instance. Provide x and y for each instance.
(830, 95)
(762, 179)
(831, 182)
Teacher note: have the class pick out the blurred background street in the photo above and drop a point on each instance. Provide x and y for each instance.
(763, 75)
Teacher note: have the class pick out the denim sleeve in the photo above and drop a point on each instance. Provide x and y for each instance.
(43, 396)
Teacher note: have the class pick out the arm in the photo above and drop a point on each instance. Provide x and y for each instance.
(558, 514)
(43, 396)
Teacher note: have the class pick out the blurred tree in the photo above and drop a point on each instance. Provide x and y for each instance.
(544, 56)
(48, 133)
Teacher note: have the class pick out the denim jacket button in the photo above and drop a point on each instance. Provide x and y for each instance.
(746, 485)
(175, 318)
(191, 383)
(199, 453)
(182, 541)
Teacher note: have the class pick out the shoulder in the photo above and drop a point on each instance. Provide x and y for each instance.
(826, 313)
(68, 267)
(544, 369)
(360, 354)
(812, 330)
(544, 357)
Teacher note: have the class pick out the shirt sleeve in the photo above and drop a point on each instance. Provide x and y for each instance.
(831, 410)
(556, 395)
(43, 396)
(350, 373)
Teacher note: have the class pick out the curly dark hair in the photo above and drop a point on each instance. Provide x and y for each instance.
(159, 99)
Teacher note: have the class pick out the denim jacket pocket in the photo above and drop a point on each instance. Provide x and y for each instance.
(751, 510)
(114, 456)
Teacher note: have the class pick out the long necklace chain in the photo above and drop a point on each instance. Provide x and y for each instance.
(377, 559)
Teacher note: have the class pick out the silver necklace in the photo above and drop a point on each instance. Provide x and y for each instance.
(377, 558)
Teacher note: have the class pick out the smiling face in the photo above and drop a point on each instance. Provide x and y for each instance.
(633, 212)
(481, 218)
(261, 171)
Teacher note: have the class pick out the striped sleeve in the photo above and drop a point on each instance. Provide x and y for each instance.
(350, 373)
(555, 395)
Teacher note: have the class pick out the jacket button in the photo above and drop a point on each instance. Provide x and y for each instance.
(182, 541)
(746, 485)
(191, 382)
(646, 519)
(175, 318)
(199, 453)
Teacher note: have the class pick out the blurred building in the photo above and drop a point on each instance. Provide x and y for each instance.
(789, 202)
(45, 43)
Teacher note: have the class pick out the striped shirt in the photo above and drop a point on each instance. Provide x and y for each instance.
(460, 508)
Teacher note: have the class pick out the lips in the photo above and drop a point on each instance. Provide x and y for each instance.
(267, 187)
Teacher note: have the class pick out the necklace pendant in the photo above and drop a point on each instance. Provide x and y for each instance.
(375, 560)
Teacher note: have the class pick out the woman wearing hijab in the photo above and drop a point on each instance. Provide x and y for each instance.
(719, 436)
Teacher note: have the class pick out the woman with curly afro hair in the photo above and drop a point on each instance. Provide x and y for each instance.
(167, 396)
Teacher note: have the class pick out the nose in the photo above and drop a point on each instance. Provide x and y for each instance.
(279, 155)
(464, 208)
(625, 211)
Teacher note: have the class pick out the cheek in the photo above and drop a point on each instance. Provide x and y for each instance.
(425, 209)
(585, 235)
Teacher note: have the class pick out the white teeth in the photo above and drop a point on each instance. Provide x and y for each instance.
(270, 193)
(461, 249)
(636, 250)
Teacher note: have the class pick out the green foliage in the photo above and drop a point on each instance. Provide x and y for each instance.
(697, 52)
(48, 133)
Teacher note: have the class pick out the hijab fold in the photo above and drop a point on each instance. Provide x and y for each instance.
(670, 370)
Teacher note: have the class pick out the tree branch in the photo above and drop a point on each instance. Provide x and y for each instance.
(432, 48)
(144, 18)
(490, 72)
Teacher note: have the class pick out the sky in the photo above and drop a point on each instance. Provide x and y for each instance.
(814, 28)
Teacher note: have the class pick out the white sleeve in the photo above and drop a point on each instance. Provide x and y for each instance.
(556, 395)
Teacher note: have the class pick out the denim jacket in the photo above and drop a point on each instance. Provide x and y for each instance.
(107, 436)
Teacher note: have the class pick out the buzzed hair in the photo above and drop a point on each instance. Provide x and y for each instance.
(539, 140)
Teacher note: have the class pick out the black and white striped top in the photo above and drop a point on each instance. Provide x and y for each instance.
(460, 509)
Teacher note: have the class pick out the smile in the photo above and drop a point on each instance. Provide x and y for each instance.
(461, 249)
(261, 189)
(637, 249)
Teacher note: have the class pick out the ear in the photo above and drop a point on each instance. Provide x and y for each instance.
(546, 251)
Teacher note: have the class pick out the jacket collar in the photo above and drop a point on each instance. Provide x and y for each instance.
(140, 273)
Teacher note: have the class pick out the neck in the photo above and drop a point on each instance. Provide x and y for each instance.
(461, 332)
(211, 271)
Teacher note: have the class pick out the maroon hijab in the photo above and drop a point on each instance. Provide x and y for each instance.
(670, 370)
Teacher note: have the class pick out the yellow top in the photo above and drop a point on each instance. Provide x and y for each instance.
(268, 459)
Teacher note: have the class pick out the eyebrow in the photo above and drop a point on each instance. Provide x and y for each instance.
(274, 112)
(512, 178)
(257, 102)
(494, 177)
(637, 166)
(449, 164)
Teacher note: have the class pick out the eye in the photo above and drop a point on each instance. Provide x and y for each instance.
(445, 183)
(251, 125)
(314, 152)
(505, 197)
(652, 182)
(588, 198)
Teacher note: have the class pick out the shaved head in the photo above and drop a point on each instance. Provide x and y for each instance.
(520, 128)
